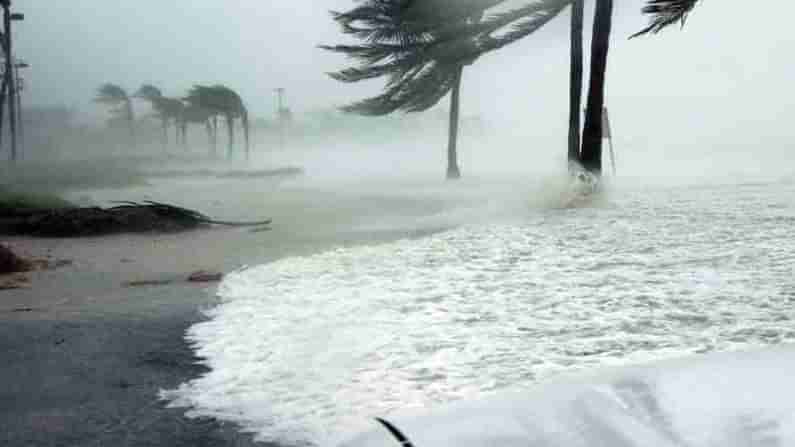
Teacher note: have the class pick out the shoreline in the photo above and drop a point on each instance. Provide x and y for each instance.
(88, 355)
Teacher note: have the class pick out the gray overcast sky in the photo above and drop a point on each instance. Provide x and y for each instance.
(724, 73)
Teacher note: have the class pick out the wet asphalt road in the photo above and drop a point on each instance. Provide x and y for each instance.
(95, 382)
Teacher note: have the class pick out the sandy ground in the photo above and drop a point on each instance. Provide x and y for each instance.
(84, 356)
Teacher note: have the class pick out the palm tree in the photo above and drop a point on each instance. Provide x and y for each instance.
(415, 83)
(575, 79)
(225, 102)
(665, 13)
(167, 109)
(422, 48)
(122, 109)
(591, 153)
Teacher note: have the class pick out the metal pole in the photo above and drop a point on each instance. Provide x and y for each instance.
(20, 124)
(12, 89)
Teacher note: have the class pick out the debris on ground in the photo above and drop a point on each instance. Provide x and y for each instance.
(127, 217)
(11, 262)
(205, 276)
(13, 282)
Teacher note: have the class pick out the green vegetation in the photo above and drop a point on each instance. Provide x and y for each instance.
(14, 201)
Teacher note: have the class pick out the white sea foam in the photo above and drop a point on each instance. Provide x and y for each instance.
(304, 349)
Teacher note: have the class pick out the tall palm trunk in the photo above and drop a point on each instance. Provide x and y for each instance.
(575, 81)
(591, 155)
(453, 172)
(230, 127)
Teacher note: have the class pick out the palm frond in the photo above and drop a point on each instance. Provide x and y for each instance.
(217, 98)
(665, 13)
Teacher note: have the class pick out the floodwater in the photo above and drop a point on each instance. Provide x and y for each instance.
(521, 288)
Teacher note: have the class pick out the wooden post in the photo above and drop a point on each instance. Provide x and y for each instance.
(607, 132)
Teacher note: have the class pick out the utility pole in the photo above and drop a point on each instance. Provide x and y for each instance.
(20, 83)
(9, 78)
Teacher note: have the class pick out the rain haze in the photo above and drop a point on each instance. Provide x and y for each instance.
(708, 86)
(206, 238)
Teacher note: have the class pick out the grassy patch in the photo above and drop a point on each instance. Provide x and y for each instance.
(20, 200)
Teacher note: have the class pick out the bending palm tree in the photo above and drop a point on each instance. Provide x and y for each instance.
(116, 97)
(422, 47)
(415, 84)
(223, 101)
(168, 110)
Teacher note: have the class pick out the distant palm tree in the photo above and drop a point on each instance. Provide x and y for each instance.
(169, 110)
(195, 114)
(665, 13)
(225, 102)
(122, 109)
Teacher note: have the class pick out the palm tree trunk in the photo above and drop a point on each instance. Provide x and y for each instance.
(246, 133)
(215, 135)
(165, 133)
(453, 172)
(575, 82)
(591, 155)
(230, 127)
(209, 126)
(130, 120)
(184, 130)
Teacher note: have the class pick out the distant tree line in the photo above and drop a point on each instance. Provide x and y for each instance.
(203, 105)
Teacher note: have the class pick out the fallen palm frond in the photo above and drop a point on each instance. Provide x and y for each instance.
(127, 217)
